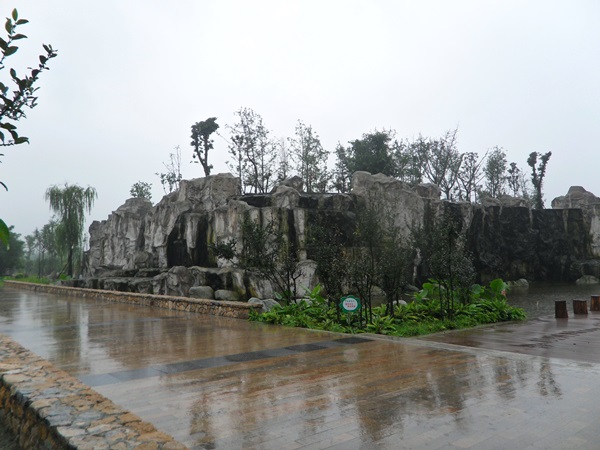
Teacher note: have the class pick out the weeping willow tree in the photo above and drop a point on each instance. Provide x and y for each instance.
(70, 203)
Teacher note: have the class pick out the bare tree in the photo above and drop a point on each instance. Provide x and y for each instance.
(254, 155)
(442, 161)
(170, 180)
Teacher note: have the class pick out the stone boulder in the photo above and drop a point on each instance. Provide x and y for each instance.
(116, 240)
(116, 284)
(266, 304)
(295, 182)
(202, 292)
(587, 279)
(141, 285)
(176, 231)
(285, 197)
(178, 281)
(577, 197)
(521, 283)
(393, 197)
(224, 294)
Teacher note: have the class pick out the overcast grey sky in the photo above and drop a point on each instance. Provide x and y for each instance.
(133, 76)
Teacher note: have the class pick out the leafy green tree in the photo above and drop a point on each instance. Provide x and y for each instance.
(310, 158)
(171, 179)
(470, 176)
(253, 153)
(284, 160)
(538, 173)
(407, 161)
(371, 154)
(325, 245)
(44, 250)
(11, 256)
(14, 103)
(202, 143)
(494, 172)
(141, 189)
(70, 204)
(441, 243)
(341, 176)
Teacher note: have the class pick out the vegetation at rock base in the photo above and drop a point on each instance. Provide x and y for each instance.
(266, 252)
(423, 315)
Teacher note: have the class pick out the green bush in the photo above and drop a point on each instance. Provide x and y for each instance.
(424, 315)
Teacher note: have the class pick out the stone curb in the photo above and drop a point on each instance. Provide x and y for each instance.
(49, 409)
(237, 310)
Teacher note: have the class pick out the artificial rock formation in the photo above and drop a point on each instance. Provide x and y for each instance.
(166, 249)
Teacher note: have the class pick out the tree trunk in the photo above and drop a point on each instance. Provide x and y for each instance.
(580, 307)
(560, 309)
(70, 262)
(595, 303)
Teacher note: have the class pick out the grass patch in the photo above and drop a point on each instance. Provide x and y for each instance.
(28, 279)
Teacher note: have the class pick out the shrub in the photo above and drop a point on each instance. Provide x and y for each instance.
(425, 314)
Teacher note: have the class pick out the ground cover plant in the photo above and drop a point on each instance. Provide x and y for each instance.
(426, 313)
(26, 279)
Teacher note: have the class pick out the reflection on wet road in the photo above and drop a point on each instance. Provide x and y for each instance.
(225, 383)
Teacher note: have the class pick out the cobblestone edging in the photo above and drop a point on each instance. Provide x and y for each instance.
(238, 310)
(49, 409)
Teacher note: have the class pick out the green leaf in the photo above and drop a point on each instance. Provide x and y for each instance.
(43, 59)
(18, 36)
(3, 44)
(1, 136)
(8, 126)
(22, 140)
(8, 26)
(3, 185)
(15, 14)
(22, 22)
(10, 50)
(4, 233)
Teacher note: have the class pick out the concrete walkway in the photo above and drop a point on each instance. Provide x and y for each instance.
(226, 383)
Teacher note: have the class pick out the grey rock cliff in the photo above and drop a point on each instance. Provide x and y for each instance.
(505, 236)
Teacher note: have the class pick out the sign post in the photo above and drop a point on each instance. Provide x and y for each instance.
(350, 303)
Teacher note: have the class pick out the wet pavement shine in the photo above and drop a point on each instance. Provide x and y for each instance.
(218, 383)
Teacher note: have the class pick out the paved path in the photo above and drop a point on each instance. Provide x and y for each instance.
(226, 383)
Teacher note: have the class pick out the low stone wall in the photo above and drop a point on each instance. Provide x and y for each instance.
(47, 408)
(238, 310)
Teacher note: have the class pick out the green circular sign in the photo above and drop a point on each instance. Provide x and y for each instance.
(350, 303)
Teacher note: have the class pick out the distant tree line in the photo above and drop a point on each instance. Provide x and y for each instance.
(261, 161)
